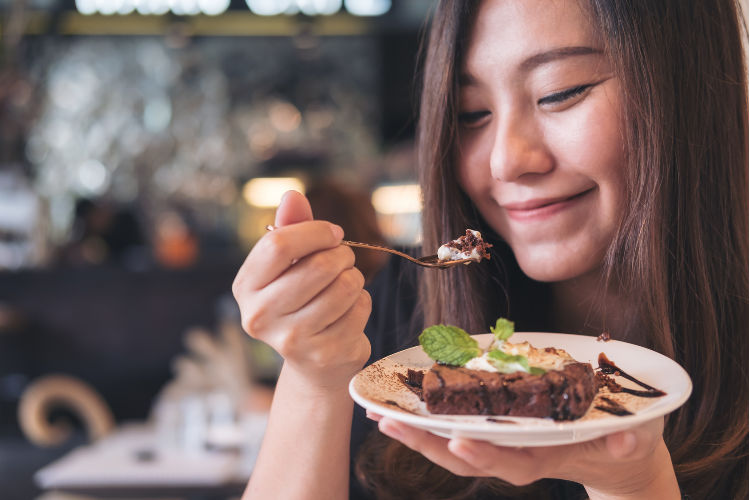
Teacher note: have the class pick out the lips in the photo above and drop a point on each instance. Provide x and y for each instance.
(542, 208)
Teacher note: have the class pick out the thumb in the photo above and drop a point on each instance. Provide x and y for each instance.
(293, 208)
(637, 442)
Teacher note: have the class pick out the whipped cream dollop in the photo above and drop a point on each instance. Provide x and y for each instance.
(547, 358)
(456, 249)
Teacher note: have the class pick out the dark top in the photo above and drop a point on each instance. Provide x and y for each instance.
(395, 324)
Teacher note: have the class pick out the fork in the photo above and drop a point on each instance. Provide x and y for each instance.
(428, 261)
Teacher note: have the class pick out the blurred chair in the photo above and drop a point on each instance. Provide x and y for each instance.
(52, 392)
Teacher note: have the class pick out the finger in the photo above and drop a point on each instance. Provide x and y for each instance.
(295, 335)
(331, 303)
(635, 443)
(341, 343)
(277, 249)
(373, 416)
(516, 466)
(350, 323)
(294, 208)
(433, 447)
(346, 332)
(312, 275)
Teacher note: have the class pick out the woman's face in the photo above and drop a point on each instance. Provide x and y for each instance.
(540, 148)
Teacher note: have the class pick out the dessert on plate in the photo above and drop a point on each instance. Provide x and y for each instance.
(505, 379)
(470, 246)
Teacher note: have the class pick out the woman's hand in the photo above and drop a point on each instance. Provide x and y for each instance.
(299, 292)
(629, 464)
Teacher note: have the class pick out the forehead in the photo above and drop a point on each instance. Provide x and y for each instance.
(504, 34)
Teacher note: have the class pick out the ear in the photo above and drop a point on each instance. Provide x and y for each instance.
(293, 208)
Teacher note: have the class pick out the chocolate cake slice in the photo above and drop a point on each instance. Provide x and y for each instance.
(564, 394)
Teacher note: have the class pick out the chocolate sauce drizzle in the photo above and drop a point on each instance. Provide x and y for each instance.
(614, 408)
(609, 368)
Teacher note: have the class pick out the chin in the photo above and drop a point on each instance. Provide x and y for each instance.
(552, 268)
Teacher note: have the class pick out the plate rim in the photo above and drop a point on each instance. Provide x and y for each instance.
(607, 425)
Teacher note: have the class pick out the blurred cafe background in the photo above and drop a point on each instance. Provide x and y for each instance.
(144, 147)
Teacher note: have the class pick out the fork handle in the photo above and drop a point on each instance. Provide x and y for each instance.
(366, 245)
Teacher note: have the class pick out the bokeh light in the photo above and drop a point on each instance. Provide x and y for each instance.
(213, 7)
(367, 7)
(266, 192)
(285, 117)
(397, 199)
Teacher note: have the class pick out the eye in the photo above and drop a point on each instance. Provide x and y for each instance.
(560, 97)
(471, 118)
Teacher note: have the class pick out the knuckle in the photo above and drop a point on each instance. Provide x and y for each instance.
(320, 360)
(324, 262)
(364, 351)
(275, 244)
(365, 300)
(360, 278)
(349, 281)
(347, 255)
(252, 323)
(361, 350)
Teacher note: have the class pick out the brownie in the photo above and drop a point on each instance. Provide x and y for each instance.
(560, 395)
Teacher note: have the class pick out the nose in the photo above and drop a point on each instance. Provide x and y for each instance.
(519, 149)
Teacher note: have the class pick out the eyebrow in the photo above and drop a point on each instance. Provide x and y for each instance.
(537, 60)
(556, 54)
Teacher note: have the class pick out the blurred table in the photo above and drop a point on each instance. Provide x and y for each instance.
(131, 464)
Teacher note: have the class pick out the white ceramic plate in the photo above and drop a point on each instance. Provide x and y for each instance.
(378, 388)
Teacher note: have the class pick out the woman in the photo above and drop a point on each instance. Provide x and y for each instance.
(606, 145)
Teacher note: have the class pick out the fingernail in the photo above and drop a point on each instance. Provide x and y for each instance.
(390, 430)
(338, 233)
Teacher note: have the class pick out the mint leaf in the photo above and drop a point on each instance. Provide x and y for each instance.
(449, 344)
(535, 370)
(503, 329)
(507, 363)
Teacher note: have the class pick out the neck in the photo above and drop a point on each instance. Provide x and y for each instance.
(581, 307)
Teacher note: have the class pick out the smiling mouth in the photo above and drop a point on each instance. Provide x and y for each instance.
(542, 208)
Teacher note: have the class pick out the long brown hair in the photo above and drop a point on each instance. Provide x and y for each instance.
(680, 252)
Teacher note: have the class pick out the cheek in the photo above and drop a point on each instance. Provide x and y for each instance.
(591, 141)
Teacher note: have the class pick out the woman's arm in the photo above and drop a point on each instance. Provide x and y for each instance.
(305, 452)
(299, 292)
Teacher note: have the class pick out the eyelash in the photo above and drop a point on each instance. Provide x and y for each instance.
(557, 98)
(563, 96)
(472, 117)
